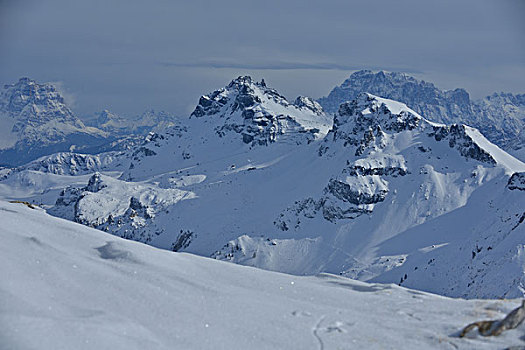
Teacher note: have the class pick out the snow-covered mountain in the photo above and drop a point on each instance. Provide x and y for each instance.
(500, 117)
(66, 286)
(35, 121)
(260, 114)
(377, 192)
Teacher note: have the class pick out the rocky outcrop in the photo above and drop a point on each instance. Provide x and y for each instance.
(365, 122)
(458, 138)
(349, 192)
(125, 209)
(517, 182)
(355, 192)
(379, 168)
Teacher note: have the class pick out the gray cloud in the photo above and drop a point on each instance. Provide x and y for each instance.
(285, 66)
(129, 55)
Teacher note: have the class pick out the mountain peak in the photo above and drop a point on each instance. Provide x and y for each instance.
(260, 113)
(500, 116)
(106, 119)
(308, 103)
(363, 120)
(245, 80)
(37, 121)
(25, 81)
(371, 110)
(28, 93)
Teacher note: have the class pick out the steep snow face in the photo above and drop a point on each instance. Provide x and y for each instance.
(35, 121)
(500, 117)
(328, 205)
(475, 251)
(66, 286)
(261, 115)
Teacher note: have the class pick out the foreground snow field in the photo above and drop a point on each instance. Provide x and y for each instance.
(67, 286)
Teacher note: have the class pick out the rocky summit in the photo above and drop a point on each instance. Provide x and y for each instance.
(500, 117)
(261, 115)
(36, 121)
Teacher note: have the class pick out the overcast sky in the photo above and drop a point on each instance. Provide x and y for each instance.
(129, 55)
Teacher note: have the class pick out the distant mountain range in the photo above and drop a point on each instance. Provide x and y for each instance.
(36, 121)
(375, 191)
(500, 116)
(149, 121)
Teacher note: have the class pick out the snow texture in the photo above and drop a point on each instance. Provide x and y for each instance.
(67, 286)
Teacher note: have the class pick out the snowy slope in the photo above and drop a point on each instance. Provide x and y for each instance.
(41, 180)
(477, 250)
(66, 286)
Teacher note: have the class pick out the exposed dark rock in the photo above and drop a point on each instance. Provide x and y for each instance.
(257, 125)
(517, 182)
(347, 193)
(95, 183)
(183, 240)
(458, 138)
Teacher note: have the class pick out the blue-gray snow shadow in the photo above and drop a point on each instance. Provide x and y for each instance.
(112, 251)
(353, 284)
(436, 231)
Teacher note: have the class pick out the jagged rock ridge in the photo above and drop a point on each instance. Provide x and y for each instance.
(260, 114)
(500, 117)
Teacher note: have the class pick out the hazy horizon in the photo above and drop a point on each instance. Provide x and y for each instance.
(129, 56)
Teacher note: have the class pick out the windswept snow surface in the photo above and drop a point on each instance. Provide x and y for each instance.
(67, 286)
